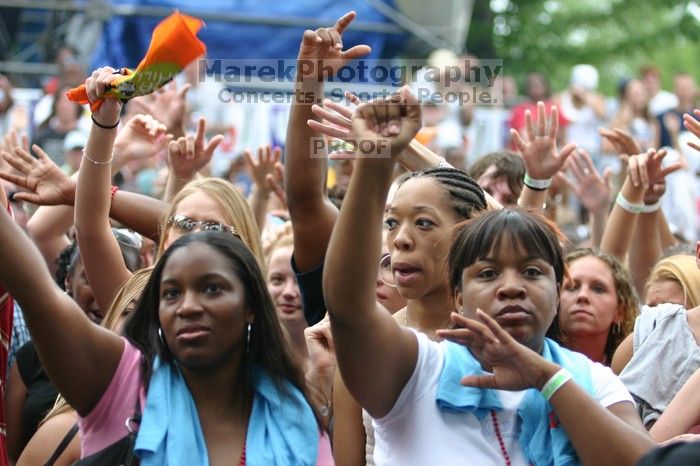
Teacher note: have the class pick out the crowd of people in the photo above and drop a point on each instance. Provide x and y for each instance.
(415, 304)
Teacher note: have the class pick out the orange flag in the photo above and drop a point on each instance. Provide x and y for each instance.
(174, 45)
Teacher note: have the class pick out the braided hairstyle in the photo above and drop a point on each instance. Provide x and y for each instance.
(466, 196)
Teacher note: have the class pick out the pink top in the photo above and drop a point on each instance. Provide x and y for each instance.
(106, 423)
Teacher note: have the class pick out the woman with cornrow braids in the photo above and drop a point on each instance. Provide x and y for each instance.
(443, 403)
(420, 222)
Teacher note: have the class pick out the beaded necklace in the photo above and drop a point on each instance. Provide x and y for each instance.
(501, 443)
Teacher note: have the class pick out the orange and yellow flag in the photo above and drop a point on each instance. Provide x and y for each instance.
(174, 45)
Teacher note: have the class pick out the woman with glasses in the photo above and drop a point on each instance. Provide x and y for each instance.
(203, 369)
(224, 361)
(202, 205)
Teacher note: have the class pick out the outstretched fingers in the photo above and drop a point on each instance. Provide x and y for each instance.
(342, 110)
(541, 119)
(328, 130)
(213, 144)
(18, 162)
(692, 124)
(356, 52)
(553, 122)
(332, 116)
(566, 152)
(344, 21)
(499, 335)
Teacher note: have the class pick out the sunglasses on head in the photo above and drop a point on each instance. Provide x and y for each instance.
(187, 225)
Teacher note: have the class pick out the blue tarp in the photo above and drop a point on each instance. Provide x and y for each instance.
(126, 39)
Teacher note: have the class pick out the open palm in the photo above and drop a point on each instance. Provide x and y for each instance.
(539, 151)
(45, 182)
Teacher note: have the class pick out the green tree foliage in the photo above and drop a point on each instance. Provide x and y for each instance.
(616, 36)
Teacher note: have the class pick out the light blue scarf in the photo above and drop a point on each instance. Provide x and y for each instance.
(282, 430)
(543, 442)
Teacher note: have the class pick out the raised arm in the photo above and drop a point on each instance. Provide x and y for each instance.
(374, 371)
(643, 171)
(645, 249)
(48, 186)
(102, 258)
(259, 170)
(414, 157)
(539, 151)
(592, 189)
(71, 348)
(187, 156)
(312, 214)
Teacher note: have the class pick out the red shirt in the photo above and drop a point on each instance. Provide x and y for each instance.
(7, 307)
(517, 117)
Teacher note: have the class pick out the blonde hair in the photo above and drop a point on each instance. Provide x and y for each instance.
(681, 269)
(283, 237)
(128, 291)
(231, 201)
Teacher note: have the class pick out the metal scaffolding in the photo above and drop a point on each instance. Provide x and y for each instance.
(42, 26)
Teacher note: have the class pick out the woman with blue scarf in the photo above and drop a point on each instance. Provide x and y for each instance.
(499, 392)
(204, 374)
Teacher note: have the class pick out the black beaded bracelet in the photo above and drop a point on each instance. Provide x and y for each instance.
(100, 125)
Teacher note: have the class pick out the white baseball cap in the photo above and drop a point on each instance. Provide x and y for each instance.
(74, 140)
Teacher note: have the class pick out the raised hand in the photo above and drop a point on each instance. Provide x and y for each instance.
(622, 141)
(338, 123)
(319, 343)
(101, 79)
(11, 141)
(388, 125)
(275, 182)
(141, 138)
(326, 45)
(592, 189)
(513, 366)
(190, 154)
(168, 104)
(646, 169)
(45, 182)
(542, 161)
(264, 165)
(693, 125)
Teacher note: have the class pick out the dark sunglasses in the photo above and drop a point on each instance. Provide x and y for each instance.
(187, 224)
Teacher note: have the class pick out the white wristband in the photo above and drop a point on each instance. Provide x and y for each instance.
(628, 206)
(535, 184)
(555, 383)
